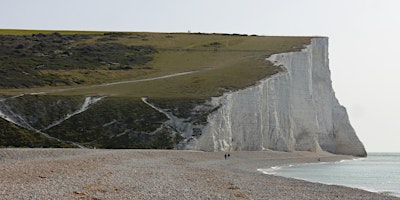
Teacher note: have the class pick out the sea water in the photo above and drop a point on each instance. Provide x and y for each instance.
(379, 172)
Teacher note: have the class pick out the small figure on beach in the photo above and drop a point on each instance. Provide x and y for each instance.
(229, 155)
(225, 156)
(319, 159)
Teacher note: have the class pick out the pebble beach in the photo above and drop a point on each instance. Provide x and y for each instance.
(160, 174)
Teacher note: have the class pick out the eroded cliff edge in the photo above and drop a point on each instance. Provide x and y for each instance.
(293, 110)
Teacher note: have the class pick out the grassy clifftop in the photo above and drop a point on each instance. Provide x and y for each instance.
(43, 60)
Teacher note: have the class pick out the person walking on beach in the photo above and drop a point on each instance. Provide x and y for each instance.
(225, 156)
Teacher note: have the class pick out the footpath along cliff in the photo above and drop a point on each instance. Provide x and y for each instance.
(293, 110)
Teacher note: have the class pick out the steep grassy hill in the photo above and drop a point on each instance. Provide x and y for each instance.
(176, 71)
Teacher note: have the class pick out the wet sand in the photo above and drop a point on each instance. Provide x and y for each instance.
(160, 174)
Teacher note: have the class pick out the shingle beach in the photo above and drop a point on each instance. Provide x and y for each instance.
(160, 174)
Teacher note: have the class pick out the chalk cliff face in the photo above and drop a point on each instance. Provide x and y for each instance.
(293, 110)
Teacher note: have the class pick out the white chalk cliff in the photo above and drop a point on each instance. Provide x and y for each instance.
(292, 110)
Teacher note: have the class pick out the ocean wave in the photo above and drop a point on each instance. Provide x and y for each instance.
(271, 170)
(274, 169)
(390, 193)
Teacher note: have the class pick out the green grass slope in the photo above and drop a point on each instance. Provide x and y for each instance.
(44, 61)
(14, 136)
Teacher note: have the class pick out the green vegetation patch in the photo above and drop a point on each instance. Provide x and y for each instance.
(42, 110)
(23, 58)
(14, 136)
(113, 123)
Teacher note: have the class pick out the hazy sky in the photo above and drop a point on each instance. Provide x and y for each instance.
(363, 37)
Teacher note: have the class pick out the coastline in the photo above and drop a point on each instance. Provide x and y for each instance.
(161, 174)
(360, 172)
